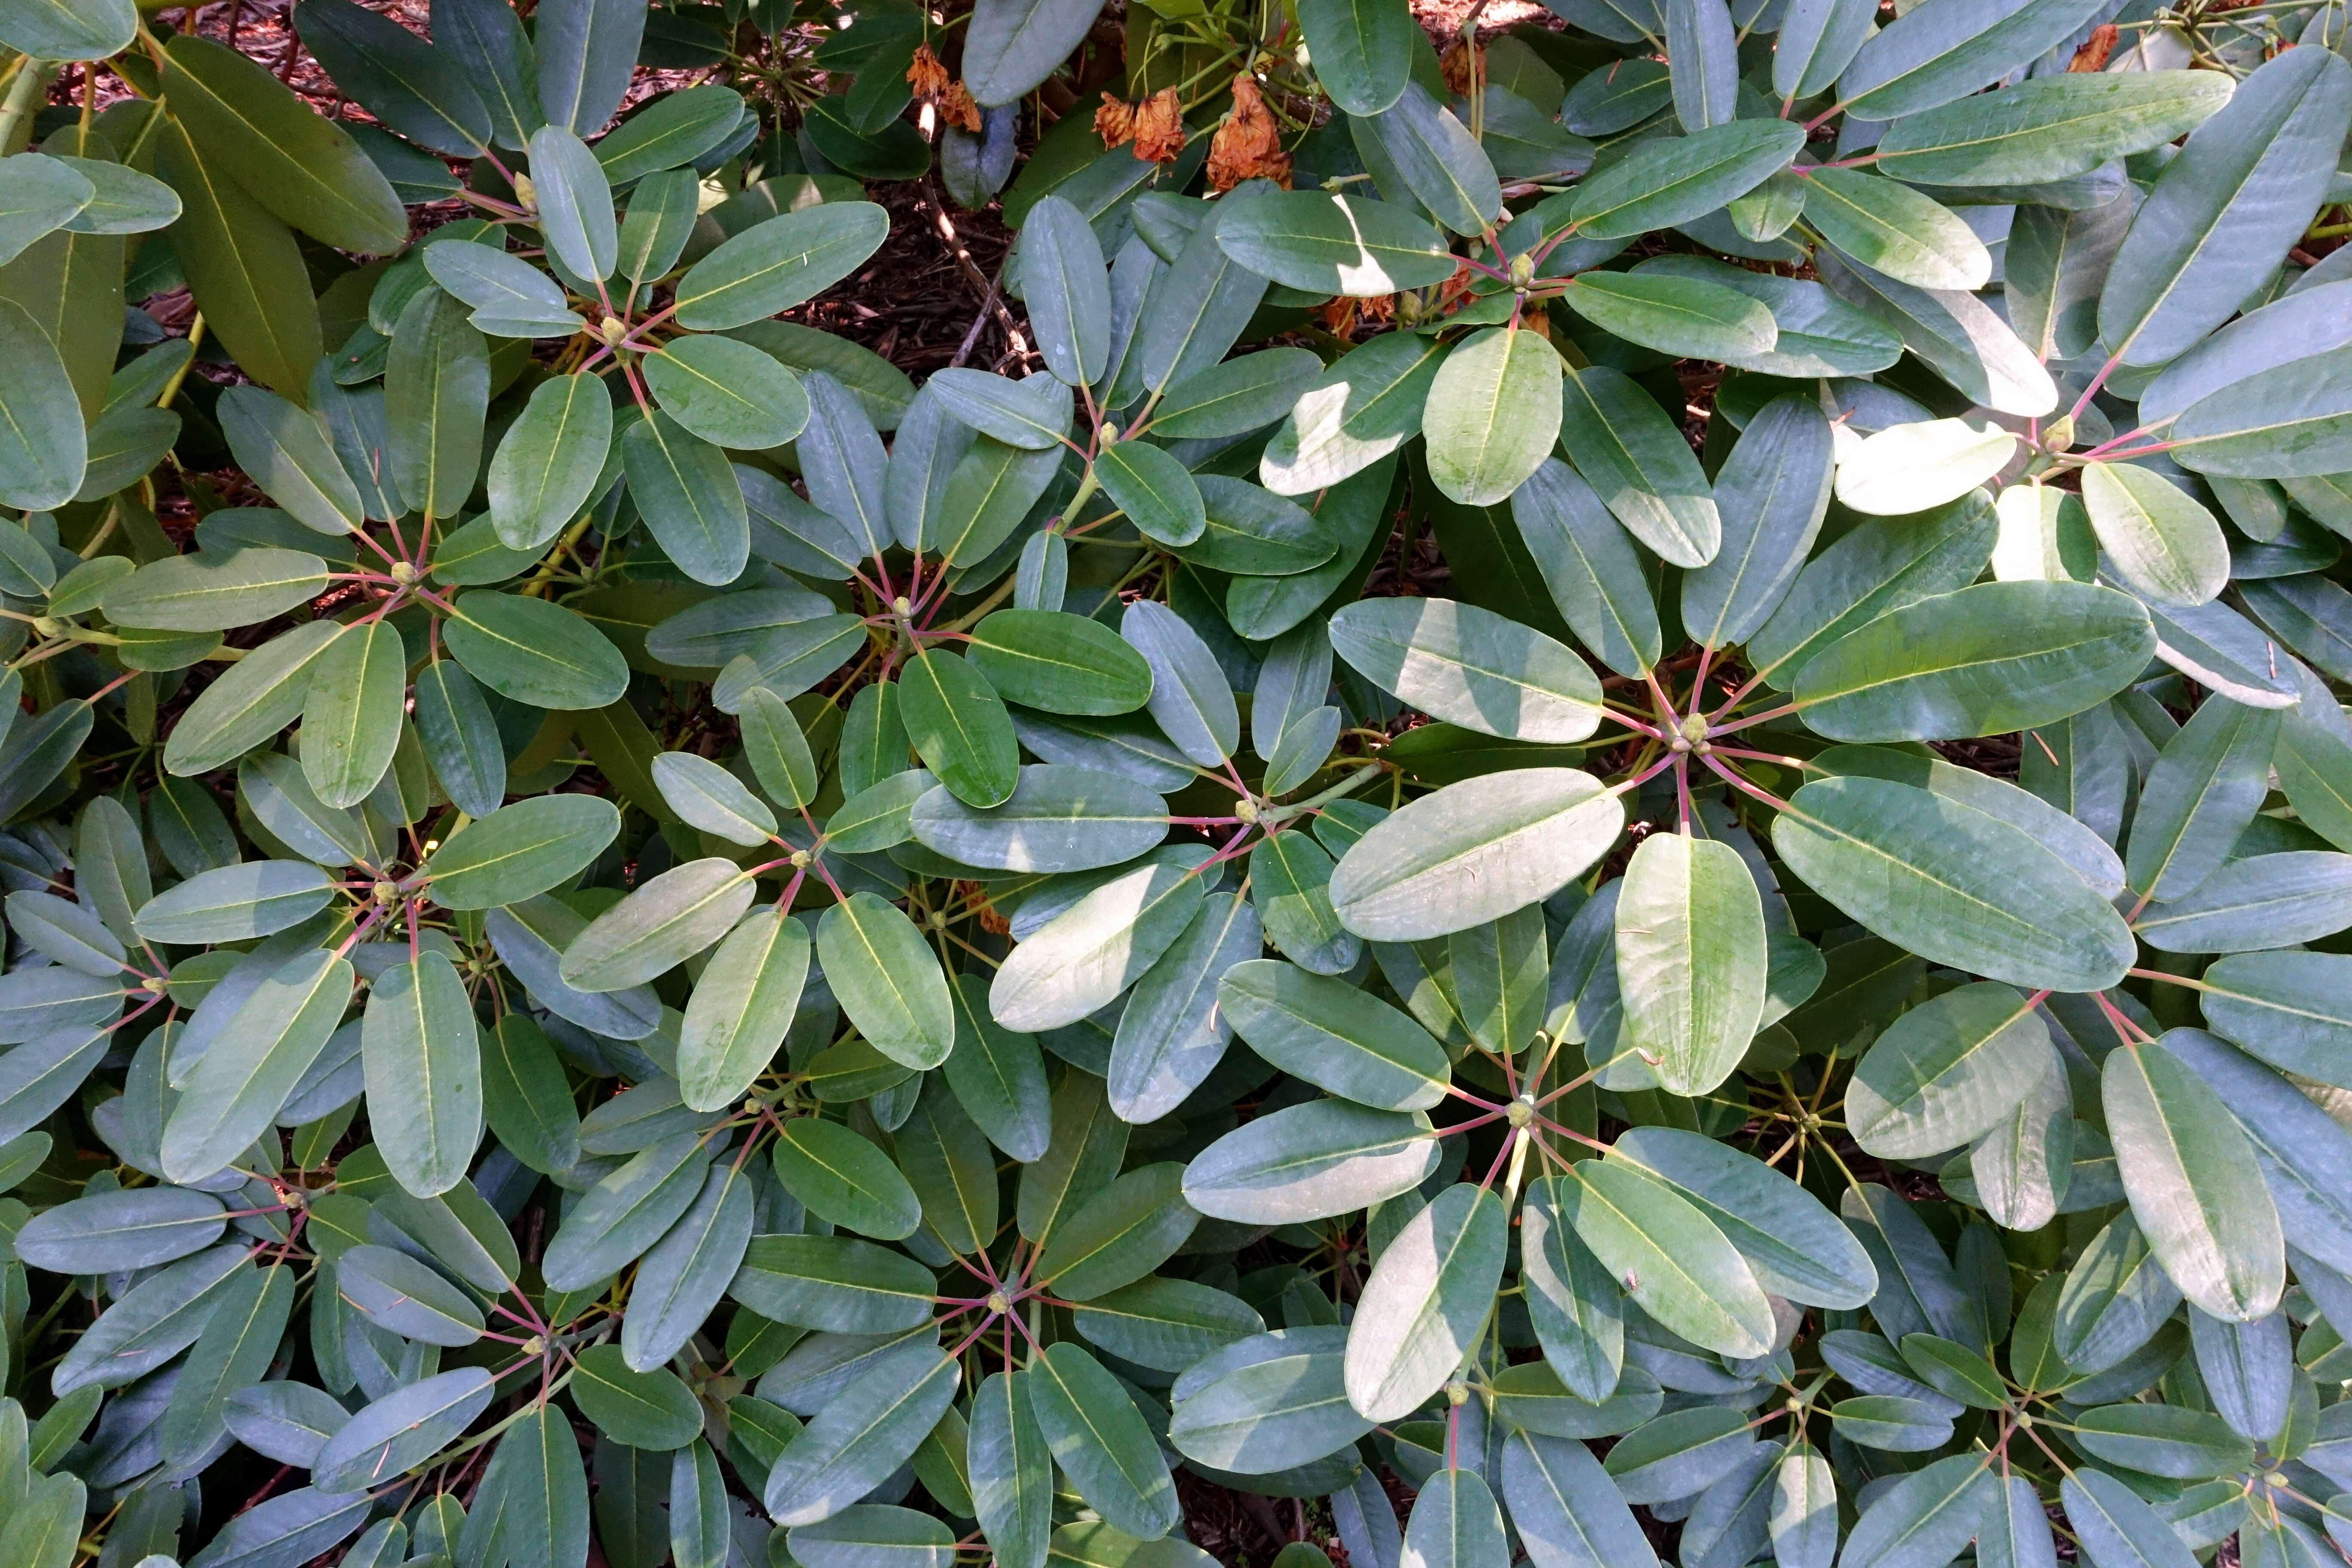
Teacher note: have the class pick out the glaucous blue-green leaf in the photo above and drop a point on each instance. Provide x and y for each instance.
(519, 851)
(2194, 1186)
(1952, 885)
(1473, 851)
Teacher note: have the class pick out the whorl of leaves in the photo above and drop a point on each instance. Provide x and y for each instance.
(1602, 786)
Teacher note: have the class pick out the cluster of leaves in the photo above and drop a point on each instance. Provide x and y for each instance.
(906, 963)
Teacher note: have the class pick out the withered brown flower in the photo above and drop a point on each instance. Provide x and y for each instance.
(2093, 55)
(926, 75)
(957, 109)
(1115, 122)
(1248, 143)
(1159, 128)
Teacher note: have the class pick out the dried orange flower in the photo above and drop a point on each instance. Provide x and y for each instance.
(1248, 144)
(2093, 56)
(926, 75)
(957, 109)
(1377, 311)
(1456, 64)
(1159, 128)
(1114, 122)
(990, 920)
(1339, 315)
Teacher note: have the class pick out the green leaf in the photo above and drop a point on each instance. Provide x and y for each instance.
(787, 261)
(576, 204)
(1154, 490)
(729, 393)
(665, 921)
(2286, 422)
(778, 752)
(2223, 212)
(712, 799)
(1069, 295)
(1952, 884)
(2048, 128)
(1334, 1037)
(845, 1179)
(649, 1410)
(1197, 310)
(351, 719)
(1686, 317)
(1575, 1305)
(1061, 663)
(139, 1227)
(545, 1524)
(2157, 538)
(1190, 699)
(2112, 1520)
(233, 1352)
(405, 1427)
(209, 592)
(1492, 412)
(1953, 51)
(1011, 1472)
(405, 1296)
(405, 82)
(90, 30)
(1333, 242)
(1470, 667)
(1888, 226)
(1473, 852)
(1365, 404)
(1948, 1071)
(436, 384)
(237, 1086)
(521, 850)
(1635, 459)
(886, 980)
(424, 1068)
(1772, 493)
(1119, 1234)
(627, 1212)
(1984, 661)
(233, 903)
(1362, 50)
(1236, 397)
(1312, 1161)
(241, 262)
(1016, 44)
(1679, 1267)
(549, 459)
(958, 727)
(1567, 1509)
(2202, 790)
(741, 1006)
(1058, 818)
(865, 1432)
(1927, 1517)
(1438, 160)
(1793, 1245)
(1426, 1301)
(301, 167)
(1670, 181)
(535, 653)
(1454, 1524)
(1873, 569)
(2193, 1184)
(255, 699)
(1691, 959)
(525, 1098)
(1098, 1438)
(833, 1284)
(289, 455)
